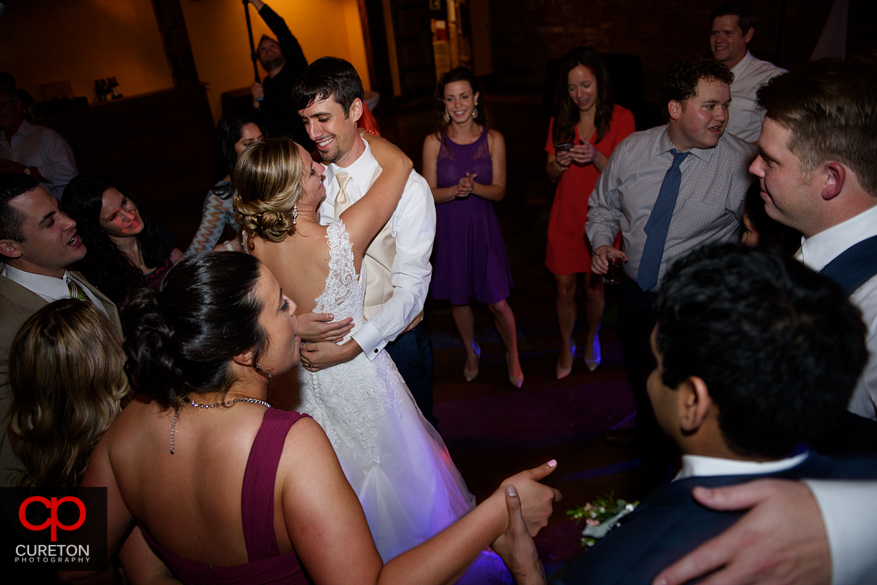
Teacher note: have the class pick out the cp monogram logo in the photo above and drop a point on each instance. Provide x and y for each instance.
(53, 522)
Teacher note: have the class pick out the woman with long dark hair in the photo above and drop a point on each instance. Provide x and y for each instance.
(465, 165)
(234, 136)
(586, 127)
(125, 250)
(228, 489)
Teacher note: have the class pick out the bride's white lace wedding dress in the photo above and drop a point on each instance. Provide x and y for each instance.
(393, 458)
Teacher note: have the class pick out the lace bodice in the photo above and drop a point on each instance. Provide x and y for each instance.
(344, 294)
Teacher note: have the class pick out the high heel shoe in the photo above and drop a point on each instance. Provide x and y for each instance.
(595, 355)
(470, 375)
(564, 372)
(515, 381)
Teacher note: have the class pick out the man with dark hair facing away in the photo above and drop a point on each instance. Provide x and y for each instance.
(756, 356)
(283, 61)
(669, 190)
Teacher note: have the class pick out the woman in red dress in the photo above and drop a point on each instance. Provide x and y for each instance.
(585, 129)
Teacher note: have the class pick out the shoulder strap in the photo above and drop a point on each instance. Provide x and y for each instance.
(257, 495)
(855, 266)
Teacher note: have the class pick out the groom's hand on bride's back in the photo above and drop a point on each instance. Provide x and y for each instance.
(320, 327)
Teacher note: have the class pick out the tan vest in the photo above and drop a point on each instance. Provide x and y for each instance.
(378, 260)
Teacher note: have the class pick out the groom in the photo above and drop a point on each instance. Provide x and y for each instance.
(329, 94)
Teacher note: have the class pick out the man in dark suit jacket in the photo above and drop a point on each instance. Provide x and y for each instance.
(757, 357)
(37, 243)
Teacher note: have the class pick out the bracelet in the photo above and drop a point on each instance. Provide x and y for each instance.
(560, 169)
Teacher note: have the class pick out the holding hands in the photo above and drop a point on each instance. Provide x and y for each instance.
(529, 505)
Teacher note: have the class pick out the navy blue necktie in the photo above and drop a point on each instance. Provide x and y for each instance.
(659, 224)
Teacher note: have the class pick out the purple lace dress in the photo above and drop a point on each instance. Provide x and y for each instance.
(469, 258)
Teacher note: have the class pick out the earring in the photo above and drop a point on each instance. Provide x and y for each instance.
(294, 212)
(475, 111)
(447, 117)
(259, 369)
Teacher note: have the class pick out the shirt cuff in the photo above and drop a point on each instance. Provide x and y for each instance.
(849, 512)
(370, 340)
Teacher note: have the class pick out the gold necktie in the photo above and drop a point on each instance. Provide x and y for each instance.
(76, 291)
(342, 199)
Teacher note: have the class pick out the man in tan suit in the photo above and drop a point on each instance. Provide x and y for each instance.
(37, 243)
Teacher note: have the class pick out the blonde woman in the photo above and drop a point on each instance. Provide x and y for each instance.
(67, 377)
(389, 452)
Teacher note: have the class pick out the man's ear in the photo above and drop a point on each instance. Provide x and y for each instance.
(355, 110)
(244, 358)
(675, 109)
(694, 403)
(10, 249)
(832, 175)
(749, 34)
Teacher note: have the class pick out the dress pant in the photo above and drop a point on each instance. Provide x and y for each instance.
(412, 354)
(636, 319)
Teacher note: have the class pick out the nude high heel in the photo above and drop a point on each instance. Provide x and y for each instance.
(470, 375)
(515, 381)
(564, 372)
(595, 355)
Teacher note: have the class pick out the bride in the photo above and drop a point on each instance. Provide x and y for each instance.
(393, 458)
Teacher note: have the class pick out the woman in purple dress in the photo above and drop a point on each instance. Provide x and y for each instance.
(464, 164)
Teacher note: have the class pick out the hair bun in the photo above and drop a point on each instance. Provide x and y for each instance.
(150, 347)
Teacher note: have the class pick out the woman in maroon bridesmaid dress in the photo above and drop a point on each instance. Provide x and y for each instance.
(464, 164)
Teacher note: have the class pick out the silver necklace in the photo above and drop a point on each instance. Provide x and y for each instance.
(214, 405)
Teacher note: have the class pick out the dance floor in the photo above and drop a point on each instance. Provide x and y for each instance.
(493, 429)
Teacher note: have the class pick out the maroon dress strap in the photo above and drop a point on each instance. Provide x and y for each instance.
(257, 495)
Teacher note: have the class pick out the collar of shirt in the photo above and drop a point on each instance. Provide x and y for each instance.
(24, 130)
(738, 69)
(665, 145)
(822, 248)
(360, 171)
(48, 287)
(700, 466)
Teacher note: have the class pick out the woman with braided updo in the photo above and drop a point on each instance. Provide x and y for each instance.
(390, 454)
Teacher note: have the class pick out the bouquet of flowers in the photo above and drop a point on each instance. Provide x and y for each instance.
(601, 516)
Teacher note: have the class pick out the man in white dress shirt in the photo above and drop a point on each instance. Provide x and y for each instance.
(329, 93)
(818, 174)
(37, 243)
(33, 150)
(733, 26)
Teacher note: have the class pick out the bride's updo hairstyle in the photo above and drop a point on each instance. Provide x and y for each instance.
(268, 178)
(182, 338)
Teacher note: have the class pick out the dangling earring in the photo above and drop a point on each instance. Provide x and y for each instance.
(447, 117)
(259, 369)
(294, 212)
(475, 111)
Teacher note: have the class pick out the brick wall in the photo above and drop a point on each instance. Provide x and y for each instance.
(529, 33)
